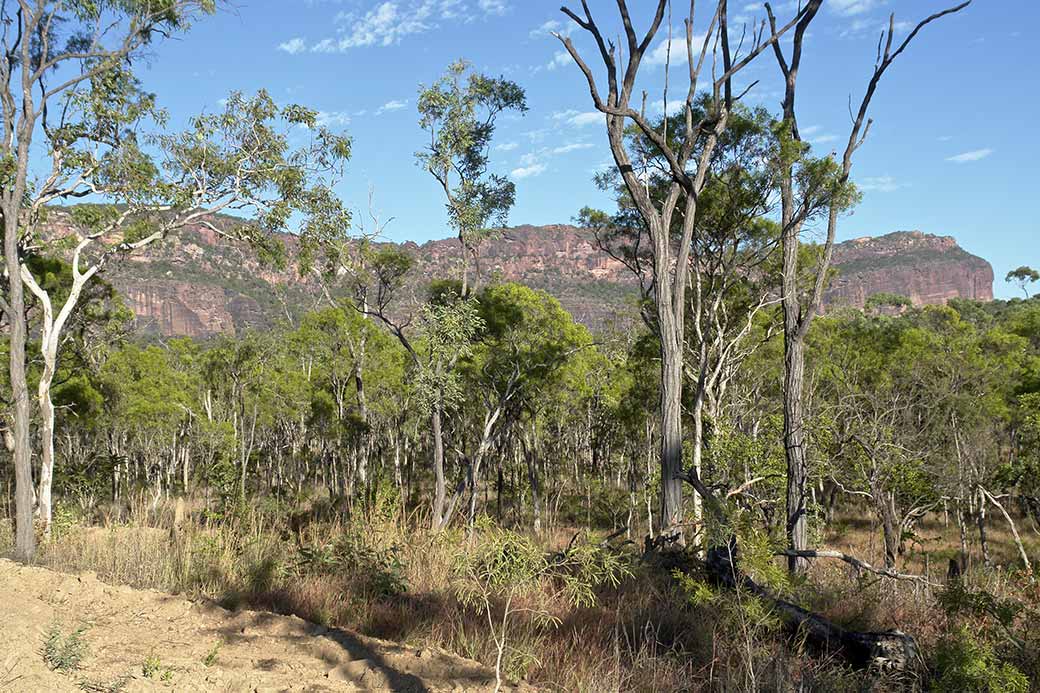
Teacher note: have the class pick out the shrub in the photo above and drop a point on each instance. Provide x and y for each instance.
(964, 663)
(62, 652)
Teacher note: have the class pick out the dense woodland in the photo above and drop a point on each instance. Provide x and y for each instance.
(933, 410)
(748, 492)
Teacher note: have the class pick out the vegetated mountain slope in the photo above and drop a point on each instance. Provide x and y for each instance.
(196, 284)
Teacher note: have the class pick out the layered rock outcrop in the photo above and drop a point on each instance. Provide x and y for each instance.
(199, 285)
(924, 268)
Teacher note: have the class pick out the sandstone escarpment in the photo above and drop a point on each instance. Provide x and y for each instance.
(198, 284)
(924, 268)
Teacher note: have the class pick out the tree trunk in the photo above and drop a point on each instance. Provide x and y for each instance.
(25, 539)
(671, 424)
(889, 529)
(963, 536)
(536, 484)
(44, 495)
(438, 467)
(980, 519)
(698, 447)
(794, 432)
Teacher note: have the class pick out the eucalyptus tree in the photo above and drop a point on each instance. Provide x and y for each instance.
(237, 160)
(525, 339)
(687, 160)
(1023, 276)
(459, 113)
(732, 275)
(435, 331)
(813, 188)
(333, 336)
(357, 383)
(58, 57)
(148, 398)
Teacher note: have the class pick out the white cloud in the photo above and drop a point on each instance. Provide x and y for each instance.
(506, 146)
(674, 106)
(391, 21)
(567, 148)
(394, 105)
(452, 9)
(549, 27)
(974, 155)
(384, 25)
(494, 6)
(880, 184)
(659, 55)
(823, 139)
(560, 58)
(535, 163)
(332, 118)
(293, 46)
(579, 119)
(809, 131)
(853, 7)
(534, 169)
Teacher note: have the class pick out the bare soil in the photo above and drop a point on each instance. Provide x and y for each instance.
(143, 640)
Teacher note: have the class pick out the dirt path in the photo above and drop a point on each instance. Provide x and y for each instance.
(197, 646)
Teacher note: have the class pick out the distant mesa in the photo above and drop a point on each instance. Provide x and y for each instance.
(197, 286)
(925, 268)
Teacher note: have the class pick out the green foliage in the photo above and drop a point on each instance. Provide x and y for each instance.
(211, 656)
(957, 599)
(65, 652)
(964, 663)
(459, 113)
(507, 564)
(379, 567)
(449, 328)
(887, 300)
(1023, 276)
(153, 668)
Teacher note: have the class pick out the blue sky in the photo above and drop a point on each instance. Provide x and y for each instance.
(953, 149)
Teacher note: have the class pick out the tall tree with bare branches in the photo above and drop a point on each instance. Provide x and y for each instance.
(687, 156)
(814, 188)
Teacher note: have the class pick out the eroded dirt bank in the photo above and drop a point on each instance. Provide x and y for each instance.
(142, 640)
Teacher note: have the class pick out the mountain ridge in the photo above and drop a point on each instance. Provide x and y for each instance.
(198, 285)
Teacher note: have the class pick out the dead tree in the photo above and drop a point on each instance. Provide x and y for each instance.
(802, 197)
(687, 156)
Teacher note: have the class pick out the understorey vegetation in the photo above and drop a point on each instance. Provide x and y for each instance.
(743, 492)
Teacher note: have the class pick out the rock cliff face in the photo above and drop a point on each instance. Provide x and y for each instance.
(198, 285)
(926, 269)
(563, 260)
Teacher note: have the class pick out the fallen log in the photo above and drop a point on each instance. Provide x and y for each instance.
(859, 565)
(889, 652)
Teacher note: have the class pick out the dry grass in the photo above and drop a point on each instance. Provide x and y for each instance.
(382, 576)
